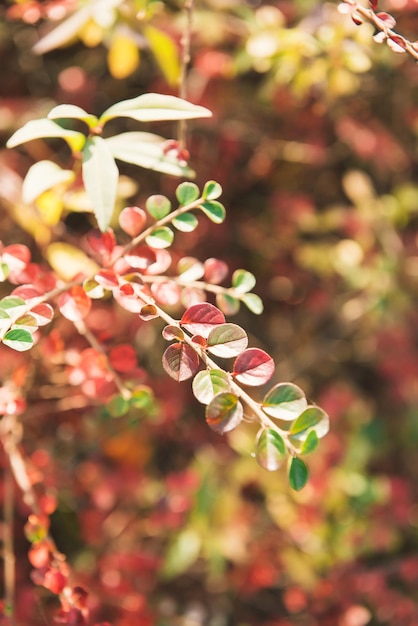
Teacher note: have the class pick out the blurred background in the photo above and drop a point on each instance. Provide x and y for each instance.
(313, 139)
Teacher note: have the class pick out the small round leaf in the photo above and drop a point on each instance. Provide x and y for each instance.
(224, 413)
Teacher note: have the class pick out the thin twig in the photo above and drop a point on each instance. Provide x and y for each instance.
(185, 60)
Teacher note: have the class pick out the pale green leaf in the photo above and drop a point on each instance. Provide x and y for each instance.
(45, 128)
(160, 238)
(70, 111)
(253, 302)
(212, 190)
(64, 33)
(187, 192)
(182, 553)
(18, 339)
(100, 177)
(43, 176)
(186, 222)
(270, 449)
(243, 281)
(209, 383)
(153, 107)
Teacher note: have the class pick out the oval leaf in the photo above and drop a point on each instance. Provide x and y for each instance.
(43, 313)
(186, 223)
(100, 177)
(253, 367)
(214, 210)
(13, 306)
(199, 319)
(74, 304)
(173, 332)
(158, 206)
(44, 128)
(227, 340)
(243, 281)
(187, 192)
(228, 304)
(310, 444)
(270, 449)
(180, 361)
(253, 302)
(285, 401)
(160, 238)
(154, 107)
(224, 413)
(43, 176)
(312, 418)
(298, 474)
(208, 384)
(132, 220)
(18, 339)
(212, 190)
(71, 111)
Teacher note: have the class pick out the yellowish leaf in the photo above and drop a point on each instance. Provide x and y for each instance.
(50, 206)
(68, 261)
(123, 56)
(91, 34)
(165, 52)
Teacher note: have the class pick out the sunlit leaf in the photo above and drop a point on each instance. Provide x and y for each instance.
(161, 237)
(18, 339)
(5, 321)
(270, 449)
(71, 111)
(243, 281)
(187, 193)
(180, 361)
(100, 177)
(16, 256)
(253, 302)
(165, 51)
(27, 322)
(123, 56)
(13, 306)
(310, 444)
(227, 340)
(285, 401)
(132, 220)
(153, 107)
(43, 313)
(224, 412)
(312, 417)
(212, 190)
(46, 129)
(140, 257)
(253, 367)
(118, 406)
(158, 206)
(69, 261)
(64, 33)
(200, 319)
(74, 304)
(173, 332)
(209, 383)
(43, 176)
(182, 553)
(142, 397)
(190, 269)
(148, 312)
(298, 474)
(186, 222)
(214, 210)
(228, 304)
(147, 150)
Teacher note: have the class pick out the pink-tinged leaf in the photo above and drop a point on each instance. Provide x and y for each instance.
(227, 340)
(191, 296)
(387, 19)
(215, 271)
(16, 257)
(43, 313)
(200, 319)
(357, 19)
(128, 296)
(397, 43)
(161, 264)
(173, 332)
(148, 312)
(102, 243)
(123, 358)
(166, 293)
(180, 361)
(132, 220)
(26, 321)
(380, 37)
(26, 292)
(209, 383)
(93, 289)
(141, 257)
(107, 278)
(224, 413)
(270, 449)
(253, 367)
(74, 304)
(373, 4)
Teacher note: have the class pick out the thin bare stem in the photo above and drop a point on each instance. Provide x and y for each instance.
(185, 60)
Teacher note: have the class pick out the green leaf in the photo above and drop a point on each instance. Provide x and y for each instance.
(70, 111)
(209, 383)
(187, 192)
(18, 339)
(228, 304)
(43, 176)
(270, 449)
(165, 52)
(142, 397)
(12, 306)
(158, 206)
(298, 474)
(224, 412)
(153, 107)
(186, 223)
(285, 401)
(5, 321)
(118, 406)
(44, 128)
(4, 272)
(212, 190)
(182, 553)
(312, 417)
(100, 177)
(227, 340)
(160, 238)
(243, 281)
(147, 150)
(310, 444)
(253, 302)
(215, 211)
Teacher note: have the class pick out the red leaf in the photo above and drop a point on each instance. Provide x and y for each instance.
(132, 220)
(26, 292)
(107, 279)
(140, 257)
(253, 367)
(387, 19)
(74, 304)
(373, 4)
(161, 264)
(199, 319)
(180, 361)
(123, 358)
(101, 243)
(17, 256)
(43, 313)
